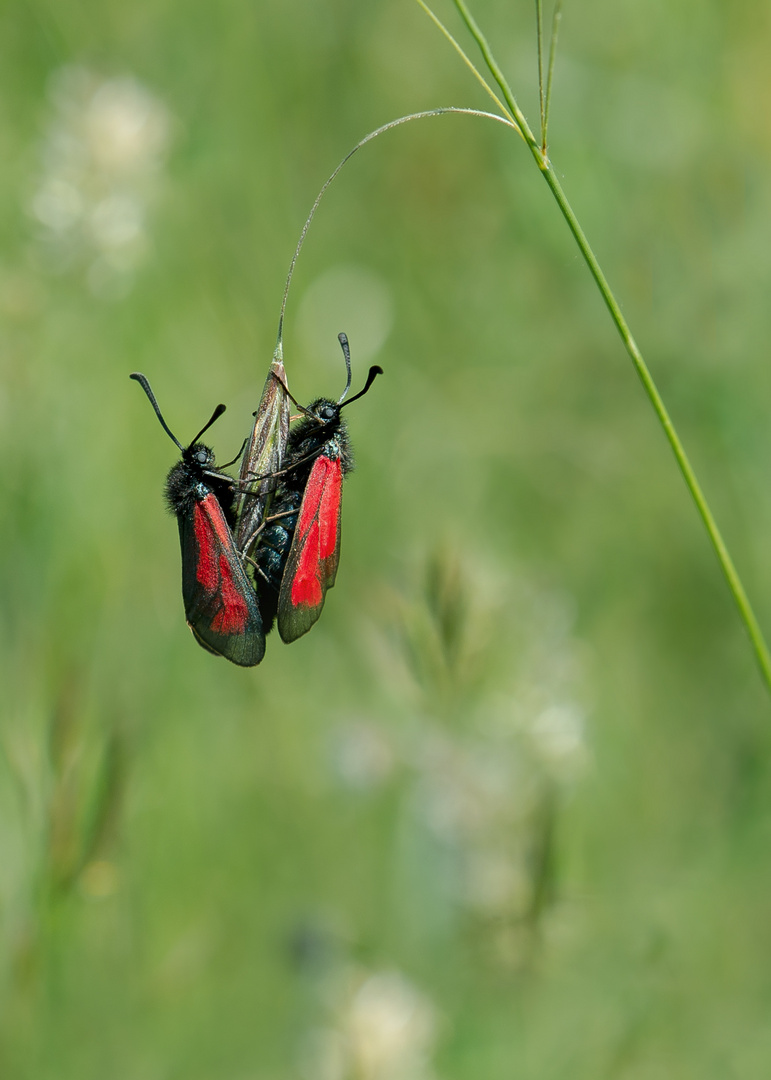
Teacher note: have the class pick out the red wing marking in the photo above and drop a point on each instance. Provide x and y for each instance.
(219, 599)
(204, 525)
(306, 587)
(214, 570)
(318, 530)
(313, 557)
(234, 613)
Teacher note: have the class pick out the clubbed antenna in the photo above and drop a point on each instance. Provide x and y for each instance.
(141, 379)
(347, 354)
(374, 371)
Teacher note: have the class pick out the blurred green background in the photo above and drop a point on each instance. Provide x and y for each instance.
(506, 811)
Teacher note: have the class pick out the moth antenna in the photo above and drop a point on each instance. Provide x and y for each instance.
(140, 378)
(374, 371)
(347, 354)
(214, 416)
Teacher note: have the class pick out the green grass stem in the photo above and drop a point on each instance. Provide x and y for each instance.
(540, 154)
(555, 29)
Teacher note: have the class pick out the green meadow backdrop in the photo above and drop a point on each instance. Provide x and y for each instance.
(505, 812)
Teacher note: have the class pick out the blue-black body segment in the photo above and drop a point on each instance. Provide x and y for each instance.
(272, 552)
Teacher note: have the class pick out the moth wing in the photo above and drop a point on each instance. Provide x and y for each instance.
(220, 603)
(311, 565)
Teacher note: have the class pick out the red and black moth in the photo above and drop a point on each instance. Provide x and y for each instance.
(298, 551)
(220, 603)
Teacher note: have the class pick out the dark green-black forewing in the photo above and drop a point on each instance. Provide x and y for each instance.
(220, 603)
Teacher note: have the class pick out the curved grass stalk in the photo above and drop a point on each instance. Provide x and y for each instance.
(540, 154)
(278, 354)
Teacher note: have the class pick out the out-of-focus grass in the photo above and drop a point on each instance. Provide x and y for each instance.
(520, 765)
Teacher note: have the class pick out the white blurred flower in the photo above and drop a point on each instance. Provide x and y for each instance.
(124, 127)
(57, 204)
(103, 149)
(558, 733)
(389, 1028)
(382, 1028)
(495, 881)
